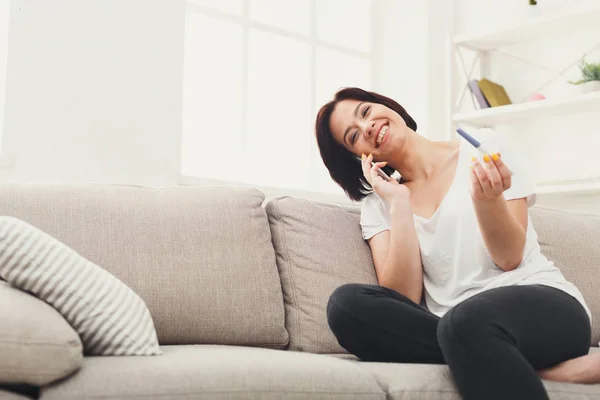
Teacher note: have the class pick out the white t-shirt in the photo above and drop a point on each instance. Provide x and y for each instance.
(456, 262)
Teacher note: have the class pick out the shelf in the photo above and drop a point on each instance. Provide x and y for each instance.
(573, 187)
(536, 28)
(589, 102)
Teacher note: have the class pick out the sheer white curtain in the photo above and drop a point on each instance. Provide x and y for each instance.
(255, 74)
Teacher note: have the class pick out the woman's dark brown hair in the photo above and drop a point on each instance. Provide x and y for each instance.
(343, 166)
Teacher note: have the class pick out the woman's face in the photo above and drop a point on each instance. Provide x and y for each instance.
(364, 127)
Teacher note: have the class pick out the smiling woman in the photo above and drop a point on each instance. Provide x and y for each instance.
(461, 277)
(339, 159)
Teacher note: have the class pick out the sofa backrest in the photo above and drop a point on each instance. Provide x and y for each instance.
(319, 247)
(200, 257)
(572, 242)
(215, 267)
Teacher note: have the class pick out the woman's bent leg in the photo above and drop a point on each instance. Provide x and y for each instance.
(495, 341)
(379, 324)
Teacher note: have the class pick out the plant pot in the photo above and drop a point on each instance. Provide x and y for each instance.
(534, 11)
(591, 86)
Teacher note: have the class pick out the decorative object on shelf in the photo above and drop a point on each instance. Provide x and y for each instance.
(479, 44)
(531, 110)
(476, 91)
(537, 96)
(533, 10)
(590, 76)
(494, 93)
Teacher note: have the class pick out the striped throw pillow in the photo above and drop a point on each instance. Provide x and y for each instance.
(110, 318)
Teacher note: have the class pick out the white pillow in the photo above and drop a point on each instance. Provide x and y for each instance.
(110, 318)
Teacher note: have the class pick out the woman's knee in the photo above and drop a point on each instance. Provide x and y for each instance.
(346, 300)
(462, 325)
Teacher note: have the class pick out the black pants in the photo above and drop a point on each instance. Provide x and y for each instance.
(493, 342)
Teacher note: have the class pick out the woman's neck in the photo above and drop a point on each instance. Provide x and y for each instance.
(421, 158)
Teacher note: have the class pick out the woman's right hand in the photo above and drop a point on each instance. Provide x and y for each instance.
(387, 190)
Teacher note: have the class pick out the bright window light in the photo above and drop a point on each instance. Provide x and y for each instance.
(255, 74)
(345, 22)
(278, 111)
(336, 69)
(234, 7)
(212, 99)
(291, 15)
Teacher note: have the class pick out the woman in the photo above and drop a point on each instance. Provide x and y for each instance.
(455, 232)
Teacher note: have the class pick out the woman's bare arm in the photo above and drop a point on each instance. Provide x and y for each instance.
(503, 225)
(396, 253)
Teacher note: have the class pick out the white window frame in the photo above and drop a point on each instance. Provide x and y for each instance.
(311, 39)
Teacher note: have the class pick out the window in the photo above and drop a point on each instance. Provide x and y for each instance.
(255, 74)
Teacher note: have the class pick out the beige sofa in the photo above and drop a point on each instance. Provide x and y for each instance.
(237, 287)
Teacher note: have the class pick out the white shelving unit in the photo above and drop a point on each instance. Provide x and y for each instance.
(534, 109)
(544, 27)
(535, 29)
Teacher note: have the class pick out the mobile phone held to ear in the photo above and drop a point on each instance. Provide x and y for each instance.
(379, 171)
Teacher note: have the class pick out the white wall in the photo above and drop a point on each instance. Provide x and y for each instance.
(557, 148)
(94, 91)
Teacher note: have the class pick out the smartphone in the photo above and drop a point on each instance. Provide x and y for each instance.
(379, 171)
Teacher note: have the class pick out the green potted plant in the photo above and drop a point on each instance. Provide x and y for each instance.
(590, 76)
(533, 9)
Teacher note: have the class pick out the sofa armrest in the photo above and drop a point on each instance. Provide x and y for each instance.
(36, 343)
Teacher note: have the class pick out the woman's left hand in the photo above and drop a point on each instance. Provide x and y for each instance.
(489, 178)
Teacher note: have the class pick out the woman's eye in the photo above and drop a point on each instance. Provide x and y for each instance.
(354, 137)
(365, 110)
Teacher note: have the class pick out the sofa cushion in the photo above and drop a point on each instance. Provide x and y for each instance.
(572, 241)
(319, 247)
(218, 372)
(200, 257)
(6, 395)
(37, 346)
(108, 316)
(435, 382)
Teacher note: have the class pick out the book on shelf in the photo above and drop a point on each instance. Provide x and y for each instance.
(476, 91)
(494, 93)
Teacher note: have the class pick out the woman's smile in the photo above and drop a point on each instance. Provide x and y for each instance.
(382, 136)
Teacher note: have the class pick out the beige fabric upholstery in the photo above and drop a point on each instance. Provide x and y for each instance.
(4, 395)
(37, 346)
(224, 372)
(319, 247)
(107, 315)
(434, 382)
(200, 257)
(218, 372)
(414, 381)
(572, 241)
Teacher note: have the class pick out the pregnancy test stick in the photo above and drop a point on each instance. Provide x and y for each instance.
(473, 141)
